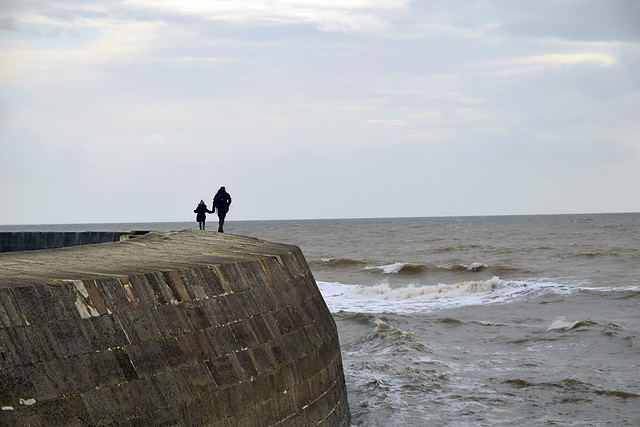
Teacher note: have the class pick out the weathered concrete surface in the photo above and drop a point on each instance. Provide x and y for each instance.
(187, 328)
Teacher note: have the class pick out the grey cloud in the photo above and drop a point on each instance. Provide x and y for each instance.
(9, 23)
(581, 20)
(71, 15)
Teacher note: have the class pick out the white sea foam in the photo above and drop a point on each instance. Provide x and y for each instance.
(389, 269)
(561, 323)
(475, 266)
(386, 292)
(421, 298)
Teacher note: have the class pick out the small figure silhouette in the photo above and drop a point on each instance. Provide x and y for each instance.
(202, 212)
(221, 202)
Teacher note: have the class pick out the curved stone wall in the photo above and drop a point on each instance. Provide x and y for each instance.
(188, 328)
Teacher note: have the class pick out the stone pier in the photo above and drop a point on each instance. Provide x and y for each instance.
(191, 328)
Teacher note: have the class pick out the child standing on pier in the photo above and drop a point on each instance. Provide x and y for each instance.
(202, 212)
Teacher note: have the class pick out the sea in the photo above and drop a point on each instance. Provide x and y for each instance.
(473, 321)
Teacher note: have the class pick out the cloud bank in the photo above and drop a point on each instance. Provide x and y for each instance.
(127, 111)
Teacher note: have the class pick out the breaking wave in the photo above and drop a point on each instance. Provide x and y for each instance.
(386, 292)
(407, 268)
(414, 298)
(336, 262)
(562, 324)
(400, 267)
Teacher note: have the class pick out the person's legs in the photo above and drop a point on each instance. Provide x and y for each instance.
(221, 222)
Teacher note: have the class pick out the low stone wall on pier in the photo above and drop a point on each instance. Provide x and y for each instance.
(174, 329)
(15, 241)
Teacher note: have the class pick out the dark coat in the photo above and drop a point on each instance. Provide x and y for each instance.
(201, 210)
(221, 201)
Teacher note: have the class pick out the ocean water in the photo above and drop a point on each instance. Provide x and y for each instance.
(474, 321)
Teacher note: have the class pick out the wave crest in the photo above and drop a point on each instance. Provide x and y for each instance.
(441, 291)
(561, 324)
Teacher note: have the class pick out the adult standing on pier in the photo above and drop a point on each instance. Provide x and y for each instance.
(221, 202)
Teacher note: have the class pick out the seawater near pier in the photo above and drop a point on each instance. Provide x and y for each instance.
(186, 328)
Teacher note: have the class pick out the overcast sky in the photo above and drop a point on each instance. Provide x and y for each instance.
(134, 110)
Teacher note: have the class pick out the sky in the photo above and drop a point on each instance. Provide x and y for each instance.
(135, 110)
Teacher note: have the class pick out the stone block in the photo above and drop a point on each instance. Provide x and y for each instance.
(194, 283)
(285, 406)
(58, 301)
(221, 340)
(228, 304)
(285, 293)
(142, 291)
(56, 412)
(200, 379)
(211, 282)
(242, 334)
(80, 410)
(139, 397)
(21, 346)
(234, 277)
(272, 324)
(307, 366)
(141, 325)
(246, 362)
(197, 317)
(102, 406)
(167, 417)
(284, 321)
(260, 329)
(147, 358)
(223, 372)
(280, 356)
(15, 384)
(216, 311)
(213, 309)
(195, 347)
(21, 417)
(9, 355)
(262, 359)
(78, 373)
(125, 364)
(30, 304)
(172, 353)
(256, 299)
(175, 388)
(104, 332)
(105, 368)
(202, 411)
(69, 337)
(95, 297)
(173, 280)
(46, 383)
(172, 320)
(160, 290)
(113, 294)
(9, 311)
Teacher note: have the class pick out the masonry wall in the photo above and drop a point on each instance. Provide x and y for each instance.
(174, 329)
(26, 241)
